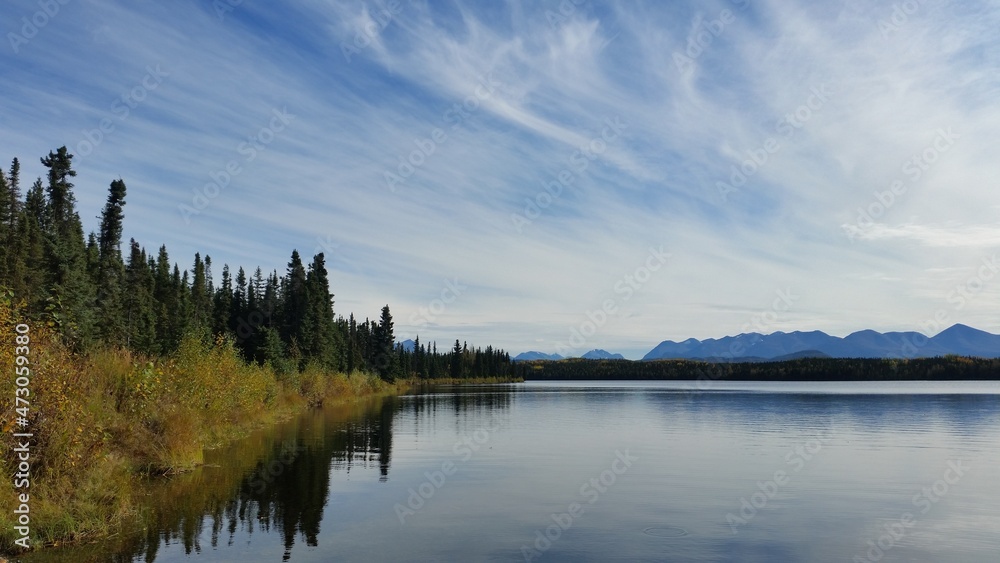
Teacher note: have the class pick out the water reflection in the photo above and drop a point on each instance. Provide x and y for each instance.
(276, 481)
(325, 485)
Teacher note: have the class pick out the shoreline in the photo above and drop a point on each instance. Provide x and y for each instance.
(107, 423)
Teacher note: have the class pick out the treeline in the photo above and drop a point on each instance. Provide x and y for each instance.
(93, 294)
(947, 368)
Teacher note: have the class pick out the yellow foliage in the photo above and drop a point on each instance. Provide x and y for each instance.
(102, 419)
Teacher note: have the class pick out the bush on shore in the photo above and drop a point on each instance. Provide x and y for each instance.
(104, 420)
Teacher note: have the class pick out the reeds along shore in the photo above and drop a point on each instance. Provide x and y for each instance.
(103, 420)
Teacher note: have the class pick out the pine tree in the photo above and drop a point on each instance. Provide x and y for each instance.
(251, 321)
(110, 267)
(165, 303)
(10, 215)
(14, 194)
(456, 360)
(222, 303)
(353, 352)
(238, 309)
(181, 316)
(7, 212)
(201, 296)
(384, 353)
(272, 351)
(263, 346)
(70, 301)
(319, 331)
(92, 257)
(294, 301)
(137, 301)
(27, 265)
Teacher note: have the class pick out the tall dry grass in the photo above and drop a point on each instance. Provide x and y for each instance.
(105, 420)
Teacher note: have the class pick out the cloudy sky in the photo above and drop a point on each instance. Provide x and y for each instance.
(543, 175)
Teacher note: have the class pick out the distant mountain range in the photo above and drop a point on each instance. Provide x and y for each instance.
(599, 354)
(409, 344)
(596, 354)
(529, 356)
(959, 339)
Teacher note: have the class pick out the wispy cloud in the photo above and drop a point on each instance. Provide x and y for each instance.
(977, 236)
(751, 86)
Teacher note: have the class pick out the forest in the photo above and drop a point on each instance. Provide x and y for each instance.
(93, 294)
(947, 368)
(126, 367)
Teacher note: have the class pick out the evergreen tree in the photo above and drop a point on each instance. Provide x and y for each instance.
(10, 214)
(418, 358)
(319, 338)
(201, 296)
(271, 302)
(92, 258)
(294, 301)
(137, 301)
(354, 360)
(272, 351)
(238, 309)
(456, 360)
(27, 265)
(7, 213)
(251, 321)
(110, 267)
(14, 181)
(268, 306)
(70, 301)
(169, 317)
(182, 318)
(222, 305)
(384, 356)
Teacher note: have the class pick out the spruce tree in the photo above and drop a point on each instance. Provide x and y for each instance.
(238, 309)
(70, 301)
(137, 301)
(110, 279)
(222, 303)
(319, 338)
(14, 193)
(7, 211)
(92, 257)
(165, 303)
(294, 301)
(200, 313)
(456, 360)
(10, 216)
(353, 359)
(385, 356)
(27, 266)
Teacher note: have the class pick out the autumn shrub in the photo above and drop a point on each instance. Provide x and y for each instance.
(78, 483)
(105, 420)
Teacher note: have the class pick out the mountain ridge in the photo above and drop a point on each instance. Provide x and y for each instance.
(958, 339)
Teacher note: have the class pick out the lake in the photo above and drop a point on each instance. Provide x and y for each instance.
(599, 471)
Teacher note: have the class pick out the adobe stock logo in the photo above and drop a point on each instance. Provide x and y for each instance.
(914, 168)
(363, 36)
(707, 33)
(451, 291)
(32, 26)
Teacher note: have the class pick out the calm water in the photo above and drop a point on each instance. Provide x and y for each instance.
(622, 471)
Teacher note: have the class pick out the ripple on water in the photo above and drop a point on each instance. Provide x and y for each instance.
(665, 531)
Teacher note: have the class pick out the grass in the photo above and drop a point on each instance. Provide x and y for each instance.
(105, 421)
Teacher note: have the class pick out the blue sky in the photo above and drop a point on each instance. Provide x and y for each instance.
(725, 166)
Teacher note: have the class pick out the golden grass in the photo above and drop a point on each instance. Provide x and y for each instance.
(104, 421)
